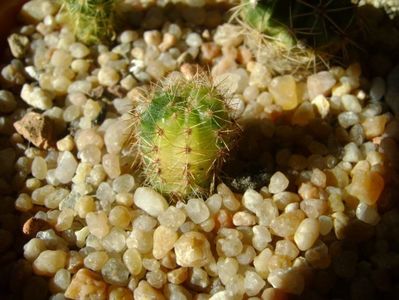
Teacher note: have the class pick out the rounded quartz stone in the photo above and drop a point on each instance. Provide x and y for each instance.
(150, 201)
(193, 250)
(197, 210)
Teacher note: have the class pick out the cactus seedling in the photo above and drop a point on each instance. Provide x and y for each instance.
(183, 134)
(93, 21)
(295, 35)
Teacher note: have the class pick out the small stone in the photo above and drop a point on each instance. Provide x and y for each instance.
(33, 225)
(253, 283)
(228, 35)
(197, 210)
(322, 105)
(66, 167)
(193, 39)
(86, 284)
(18, 44)
(164, 240)
(39, 168)
(286, 248)
(243, 218)
(193, 250)
(111, 165)
(133, 261)
(7, 102)
(150, 201)
(98, 224)
(348, 119)
(37, 129)
(96, 260)
(261, 237)
(178, 276)
(278, 183)
(290, 281)
(108, 76)
(79, 50)
(168, 41)
(367, 214)
(303, 115)
(283, 90)
(49, 262)
(366, 186)
(115, 272)
(145, 291)
(351, 103)
(210, 51)
(286, 224)
(172, 217)
(375, 126)
(377, 89)
(307, 233)
(320, 84)
(152, 37)
(189, 70)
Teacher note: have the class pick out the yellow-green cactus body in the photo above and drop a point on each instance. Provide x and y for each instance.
(93, 21)
(183, 135)
(294, 35)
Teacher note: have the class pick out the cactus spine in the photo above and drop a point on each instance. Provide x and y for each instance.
(183, 135)
(295, 35)
(93, 21)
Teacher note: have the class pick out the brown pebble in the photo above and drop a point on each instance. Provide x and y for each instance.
(209, 51)
(37, 129)
(190, 70)
(33, 225)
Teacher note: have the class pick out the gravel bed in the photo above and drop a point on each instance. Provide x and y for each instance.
(324, 226)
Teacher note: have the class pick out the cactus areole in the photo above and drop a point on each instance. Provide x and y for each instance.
(184, 134)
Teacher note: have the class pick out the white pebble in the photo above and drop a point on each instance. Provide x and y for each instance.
(307, 233)
(37, 97)
(197, 210)
(194, 39)
(150, 201)
(367, 214)
(278, 183)
(66, 167)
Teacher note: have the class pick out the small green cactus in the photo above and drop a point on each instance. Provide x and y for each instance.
(183, 135)
(295, 35)
(93, 21)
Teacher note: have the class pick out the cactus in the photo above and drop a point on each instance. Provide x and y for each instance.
(93, 21)
(295, 35)
(183, 135)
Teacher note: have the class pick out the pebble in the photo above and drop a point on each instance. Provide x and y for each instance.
(108, 76)
(193, 39)
(87, 284)
(228, 35)
(37, 129)
(278, 183)
(7, 102)
(320, 84)
(366, 186)
(66, 167)
(97, 222)
(283, 90)
(18, 44)
(367, 214)
(49, 262)
(322, 105)
(36, 97)
(193, 250)
(145, 291)
(115, 272)
(307, 233)
(152, 37)
(79, 50)
(164, 240)
(286, 224)
(377, 89)
(197, 210)
(150, 201)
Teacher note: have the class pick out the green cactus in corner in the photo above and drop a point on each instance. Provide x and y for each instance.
(183, 135)
(294, 36)
(93, 21)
